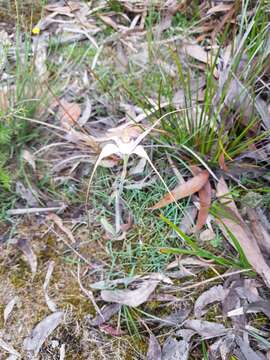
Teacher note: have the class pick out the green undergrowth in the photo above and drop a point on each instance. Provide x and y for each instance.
(149, 244)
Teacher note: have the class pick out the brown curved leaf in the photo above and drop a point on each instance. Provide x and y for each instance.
(241, 231)
(205, 203)
(181, 191)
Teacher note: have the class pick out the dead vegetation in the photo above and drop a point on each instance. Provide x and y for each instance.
(134, 178)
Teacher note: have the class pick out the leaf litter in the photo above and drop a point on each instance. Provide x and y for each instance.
(43, 329)
(82, 123)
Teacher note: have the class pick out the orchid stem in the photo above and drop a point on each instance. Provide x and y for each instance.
(119, 191)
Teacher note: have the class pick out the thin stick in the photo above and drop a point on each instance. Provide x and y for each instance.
(34, 210)
(213, 279)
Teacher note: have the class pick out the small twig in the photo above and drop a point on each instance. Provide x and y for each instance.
(88, 293)
(34, 210)
(213, 279)
(70, 247)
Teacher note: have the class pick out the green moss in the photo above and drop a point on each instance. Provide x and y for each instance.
(20, 274)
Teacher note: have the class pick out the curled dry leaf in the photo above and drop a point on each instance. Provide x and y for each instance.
(174, 349)
(111, 330)
(132, 298)
(29, 195)
(68, 113)
(181, 191)
(25, 247)
(259, 231)
(206, 329)
(259, 306)
(50, 303)
(207, 235)
(246, 350)
(42, 330)
(242, 233)
(105, 315)
(187, 223)
(214, 294)
(86, 113)
(154, 349)
(205, 201)
(58, 221)
(8, 348)
(29, 158)
(105, 284)
(9, 307)
(222, 347)
(174, 319)
(219, 8)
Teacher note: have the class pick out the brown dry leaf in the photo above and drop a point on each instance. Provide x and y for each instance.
(58, 221)
(79, 137)
(25, 247)
(67, 9)
(243, 234)
(29, 157)
(108, 21)
(207, 235)
(214, 294)
(6, 93)
(183, 190)
(132, 298)
(197, 52)
(219, 8)
(205, 201)
(222, 164)
(111, 330)
(154, 349)
(69, 113)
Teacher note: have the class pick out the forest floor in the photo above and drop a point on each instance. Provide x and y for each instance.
(134, 179)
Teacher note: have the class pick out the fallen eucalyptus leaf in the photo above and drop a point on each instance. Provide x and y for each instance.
(9, 307)
(154, 349)
(8, 348)
(174, 349)
(183, 190)
(105, 315)
(29, 158)
(26, 194)
(25, 246)
(216, 293)
(132, 298)
(246, 350)
(50, 303)
(259, 306)
(42, 330)
(236, 225)
(206, 329)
